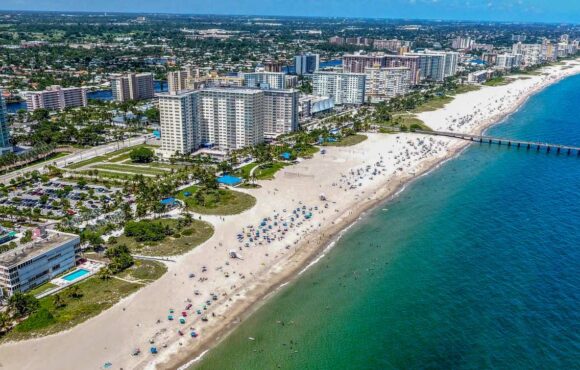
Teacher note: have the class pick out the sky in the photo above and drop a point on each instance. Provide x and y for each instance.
(553, 11)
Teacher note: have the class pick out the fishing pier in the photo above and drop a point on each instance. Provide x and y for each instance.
(528, 145)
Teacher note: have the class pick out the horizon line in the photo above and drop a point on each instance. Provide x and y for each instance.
(288, 16)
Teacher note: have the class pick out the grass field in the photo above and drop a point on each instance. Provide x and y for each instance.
(348, 141)
(86, 162)
(185, 240)
(433, 104)
(142, 170)
(42, 288)
(111, 175)
(265, 172)
(95, 295)
(497, 81)
(229, 202)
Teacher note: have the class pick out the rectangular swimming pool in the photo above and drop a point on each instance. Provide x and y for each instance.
(75, 275)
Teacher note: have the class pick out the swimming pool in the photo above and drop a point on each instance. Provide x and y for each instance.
(75, 275)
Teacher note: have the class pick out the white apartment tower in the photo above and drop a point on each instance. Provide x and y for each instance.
(133, 86)
(344, 88)
(224, 118)
(178, 112)
(231, 118)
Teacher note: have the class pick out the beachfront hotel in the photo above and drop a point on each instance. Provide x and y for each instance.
(358, 63)
(51, 253)
(224, 118)
(435, 65)
(57, 98)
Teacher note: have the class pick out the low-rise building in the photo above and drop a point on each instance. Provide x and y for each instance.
(48, 255)
(310, 105)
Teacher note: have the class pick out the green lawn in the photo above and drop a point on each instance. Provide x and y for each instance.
(96, 296)
(461, 89)
(86, 162)
(183, 241)
(42, 288)
(142, 170)
(218, 202)
(497, 81)
(111, 175)
(265, 172)
(308, 152)
(433, 104)
(348, 141)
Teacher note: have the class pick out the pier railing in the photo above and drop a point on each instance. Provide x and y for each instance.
(528, 145)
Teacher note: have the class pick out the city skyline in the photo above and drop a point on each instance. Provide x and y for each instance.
(557, 11)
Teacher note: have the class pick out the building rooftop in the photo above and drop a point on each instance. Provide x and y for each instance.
(35, 248)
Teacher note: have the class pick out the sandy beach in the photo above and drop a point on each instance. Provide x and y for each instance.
(289, 228)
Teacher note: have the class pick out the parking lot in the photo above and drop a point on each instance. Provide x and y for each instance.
(58, 198)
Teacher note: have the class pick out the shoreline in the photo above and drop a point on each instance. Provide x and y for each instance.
(327, 244)
(115, 332)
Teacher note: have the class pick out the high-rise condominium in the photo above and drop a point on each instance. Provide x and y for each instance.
(57, 98)
(133, 86)
(4, 132)
(224, 118)
(358, 63)
(436, 65)
(306, 63)
(344, 88)
(386, 83)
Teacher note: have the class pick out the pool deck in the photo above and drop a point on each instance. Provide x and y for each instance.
(91, 266)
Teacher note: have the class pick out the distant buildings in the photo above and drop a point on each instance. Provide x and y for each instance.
(32, 264)
(224, 118)
(265, 80)
(5, 145)
(385, 83)
(336, 40)
(344, 88)
(57, 98)
(181, 80)
(391, 45)
(306, 63)
(462, 43)
(273, 66)
(133, 86)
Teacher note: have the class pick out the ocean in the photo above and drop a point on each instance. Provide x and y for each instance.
(475, 265)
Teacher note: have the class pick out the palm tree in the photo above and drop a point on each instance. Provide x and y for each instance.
(57, 301)
(105, 273)
(5, 322)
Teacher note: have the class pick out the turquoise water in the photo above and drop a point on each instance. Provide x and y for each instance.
(75, 275)
(474, 266)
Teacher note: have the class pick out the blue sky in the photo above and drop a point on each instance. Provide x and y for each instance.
(500, 10)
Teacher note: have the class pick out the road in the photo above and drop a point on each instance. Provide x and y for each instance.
(79, 156)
